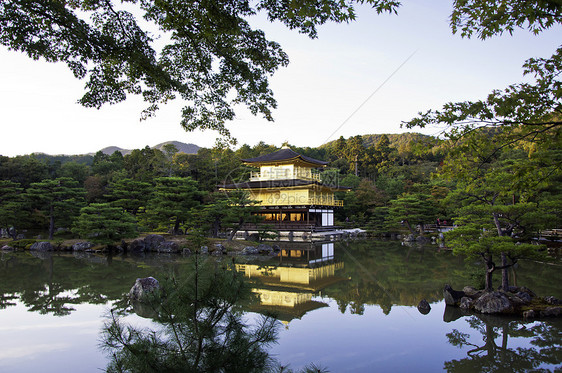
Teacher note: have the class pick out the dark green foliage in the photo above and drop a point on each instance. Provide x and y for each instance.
(201, 328)
(104, 224)
(58, 201)
(23, 170)
(172, 200)
(411, 210)
(130, 195)
(12, 207)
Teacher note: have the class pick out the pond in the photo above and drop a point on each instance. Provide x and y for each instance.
(344, 306)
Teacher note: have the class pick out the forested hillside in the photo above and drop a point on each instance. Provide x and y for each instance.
(399, 182)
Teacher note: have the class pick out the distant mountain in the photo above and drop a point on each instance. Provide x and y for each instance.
(112, 149)
(182, 148)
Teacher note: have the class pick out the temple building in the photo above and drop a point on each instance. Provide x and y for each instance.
(290, 192)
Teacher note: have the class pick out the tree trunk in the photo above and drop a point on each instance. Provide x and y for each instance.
(51, 222)
(489, 272)
(505, 276)
(407, 223)
(235, 229)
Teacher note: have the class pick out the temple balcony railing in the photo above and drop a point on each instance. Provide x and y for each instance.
(284, 175)
(301, 201)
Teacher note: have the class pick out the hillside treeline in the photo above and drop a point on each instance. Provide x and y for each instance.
(399, 183)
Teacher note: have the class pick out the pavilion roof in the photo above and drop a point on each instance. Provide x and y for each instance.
(284, 155)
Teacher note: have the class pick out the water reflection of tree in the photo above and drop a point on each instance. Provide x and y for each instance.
(54, 283)
(200, 327)
(387, 274)
(495, 354)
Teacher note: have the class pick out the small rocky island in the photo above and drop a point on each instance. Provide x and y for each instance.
(516, 301)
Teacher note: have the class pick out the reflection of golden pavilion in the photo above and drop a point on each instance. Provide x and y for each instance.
(288, 287)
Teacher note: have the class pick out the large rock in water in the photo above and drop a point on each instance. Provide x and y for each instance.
(142, 287)
(493, 302)
(452, 297)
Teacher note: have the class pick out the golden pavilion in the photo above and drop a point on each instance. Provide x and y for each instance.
(290, 192)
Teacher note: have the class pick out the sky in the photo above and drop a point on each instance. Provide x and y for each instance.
(365, 77)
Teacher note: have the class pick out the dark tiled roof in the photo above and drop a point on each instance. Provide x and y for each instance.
(286, 183)
(283, 155)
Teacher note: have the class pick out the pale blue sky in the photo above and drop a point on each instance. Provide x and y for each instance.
(327, 80)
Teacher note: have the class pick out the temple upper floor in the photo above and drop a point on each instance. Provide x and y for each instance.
(285, 172)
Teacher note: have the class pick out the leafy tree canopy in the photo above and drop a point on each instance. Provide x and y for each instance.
(212, 58)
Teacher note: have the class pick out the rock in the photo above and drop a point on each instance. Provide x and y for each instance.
(264, 249)
(81, 246)
(153, 241)
(551, 312)
(219, 250)
(142, 287)
(204, 250)
(168, 247)
(528, 291)
(7, 248)
(553, 301)
(20, 237)
(137, 246)
(186, 251)
(409, 238)
(471, 292)
(41, 246)
(530, 314)
(424, 307)
(493, 302)
(452, 297)
(466, 303)
(524, 297)
(250, 250)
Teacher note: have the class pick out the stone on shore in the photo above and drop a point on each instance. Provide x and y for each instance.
(41, 246)
(493, 302)
(452, 297)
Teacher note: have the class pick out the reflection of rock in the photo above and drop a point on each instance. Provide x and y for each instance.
(424, 307)
(43, 255)
(452, 297)
(453, 313)
(493, 302)
(7, 248)
(551, 312)
(144, 310)
(142, 287)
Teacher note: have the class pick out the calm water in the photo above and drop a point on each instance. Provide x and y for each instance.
(344, 306)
